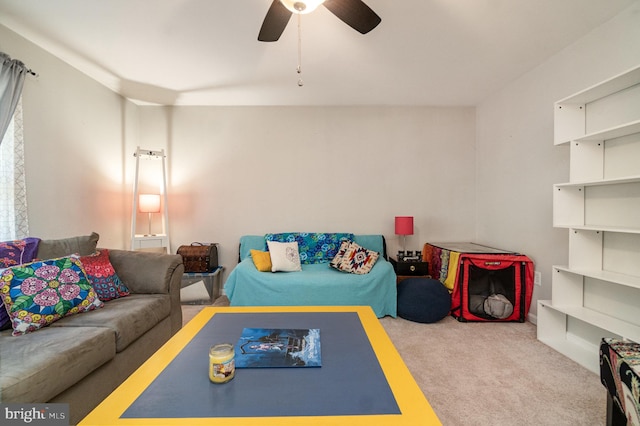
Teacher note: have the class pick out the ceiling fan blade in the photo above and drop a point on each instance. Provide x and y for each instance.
(354, 13)
(274, 22)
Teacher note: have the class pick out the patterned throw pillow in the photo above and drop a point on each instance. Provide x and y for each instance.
(39, 293)
(335, 262)
(103, 277)
(317, 247)
(284, 256)
(15, 253)
(358, 260)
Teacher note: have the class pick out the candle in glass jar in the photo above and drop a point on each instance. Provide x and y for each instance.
(222, 366)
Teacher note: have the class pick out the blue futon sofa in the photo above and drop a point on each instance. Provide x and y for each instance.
(317, 284)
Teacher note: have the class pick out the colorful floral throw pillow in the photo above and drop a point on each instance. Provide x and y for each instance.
(39, 293)
(103, 277)
(15, 253)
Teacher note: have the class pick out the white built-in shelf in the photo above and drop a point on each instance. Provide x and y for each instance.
(606, 134)
(551, 331)
(571, 112)
(612, 133)
(612, 277)
(615, 84)
(599, 228)
(614, 181)
(606, 322)
(598, 294)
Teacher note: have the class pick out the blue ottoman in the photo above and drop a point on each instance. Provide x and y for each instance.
(423, 300)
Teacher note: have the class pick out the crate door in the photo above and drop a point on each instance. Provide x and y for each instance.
(491, 288)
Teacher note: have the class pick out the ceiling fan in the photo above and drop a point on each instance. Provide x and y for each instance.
(354, 13)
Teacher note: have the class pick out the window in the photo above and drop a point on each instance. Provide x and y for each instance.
(13, 195)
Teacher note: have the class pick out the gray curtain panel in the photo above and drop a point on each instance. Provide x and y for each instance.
(12, 74)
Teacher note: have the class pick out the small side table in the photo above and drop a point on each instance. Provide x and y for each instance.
(409, 269)
(212, 283)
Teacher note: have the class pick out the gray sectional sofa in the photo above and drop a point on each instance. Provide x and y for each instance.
(82, 358)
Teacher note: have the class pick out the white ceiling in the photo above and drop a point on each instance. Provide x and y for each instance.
(205, 52)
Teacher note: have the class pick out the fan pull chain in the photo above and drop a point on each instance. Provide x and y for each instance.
(299, 68)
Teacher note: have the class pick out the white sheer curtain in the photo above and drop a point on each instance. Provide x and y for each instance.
(13, 196)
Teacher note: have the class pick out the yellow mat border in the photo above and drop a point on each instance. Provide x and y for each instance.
(414, 407)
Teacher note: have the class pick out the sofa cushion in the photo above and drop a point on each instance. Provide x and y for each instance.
(249, 242)
(83, 245)
(15, 253)
(38, 366)
(129, 317)
(314, 247)
(372, 242)
(284, 256)
(37, 294)
(103, 277)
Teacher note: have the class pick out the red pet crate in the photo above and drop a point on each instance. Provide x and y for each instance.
(487, 284)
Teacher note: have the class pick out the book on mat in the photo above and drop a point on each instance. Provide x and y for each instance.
(268, 347)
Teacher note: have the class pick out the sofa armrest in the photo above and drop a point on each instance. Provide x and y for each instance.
(145, 272)
(151, 273)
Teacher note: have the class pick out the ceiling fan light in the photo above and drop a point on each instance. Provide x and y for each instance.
(301, 6)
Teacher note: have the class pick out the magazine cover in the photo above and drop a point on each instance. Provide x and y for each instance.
(263, 347)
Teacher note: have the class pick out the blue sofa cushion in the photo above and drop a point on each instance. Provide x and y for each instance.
(314, 247)
(247, 242)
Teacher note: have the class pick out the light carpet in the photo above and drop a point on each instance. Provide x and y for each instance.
(490, 373)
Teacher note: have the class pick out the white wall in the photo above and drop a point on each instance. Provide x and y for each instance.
(517, 162)
(240, 170)
(253, 170)
(75, 132)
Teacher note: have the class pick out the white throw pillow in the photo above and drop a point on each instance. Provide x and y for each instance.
(284, 256)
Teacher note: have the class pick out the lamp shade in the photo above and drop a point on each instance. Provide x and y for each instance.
(404, 225)
(149, 203)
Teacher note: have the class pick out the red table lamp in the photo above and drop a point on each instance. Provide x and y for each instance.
(404, 227)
